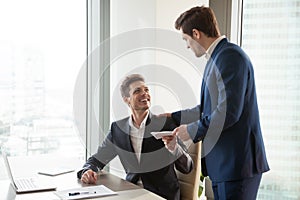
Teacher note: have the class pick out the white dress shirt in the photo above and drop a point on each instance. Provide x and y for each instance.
(137, 135)
(212, 47)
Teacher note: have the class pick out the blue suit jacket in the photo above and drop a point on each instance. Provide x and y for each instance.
(156, 167)
(227, 119)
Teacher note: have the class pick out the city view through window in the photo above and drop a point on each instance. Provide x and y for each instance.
(270, 36)
(42, 48)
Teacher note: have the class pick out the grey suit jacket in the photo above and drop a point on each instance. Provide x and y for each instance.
(156, 166)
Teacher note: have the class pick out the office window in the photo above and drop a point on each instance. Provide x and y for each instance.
(270, 36)
(42, 48)
(135, 21)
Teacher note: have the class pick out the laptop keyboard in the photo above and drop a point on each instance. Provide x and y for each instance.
(25, 184)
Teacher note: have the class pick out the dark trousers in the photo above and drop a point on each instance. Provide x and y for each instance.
(245, 189)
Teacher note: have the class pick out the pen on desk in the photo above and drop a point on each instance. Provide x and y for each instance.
(78, 193)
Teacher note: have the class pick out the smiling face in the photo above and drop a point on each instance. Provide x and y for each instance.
(139, 97)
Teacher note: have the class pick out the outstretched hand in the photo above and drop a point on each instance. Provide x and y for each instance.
(170, 142)
(165, 115)
(182, 133)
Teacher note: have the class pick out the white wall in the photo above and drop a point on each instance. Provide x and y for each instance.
(159, 54)
(186, 65)
(168, 11)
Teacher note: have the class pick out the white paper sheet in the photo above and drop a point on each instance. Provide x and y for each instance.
(85, 192)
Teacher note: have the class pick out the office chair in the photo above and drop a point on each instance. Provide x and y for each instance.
(189, 183)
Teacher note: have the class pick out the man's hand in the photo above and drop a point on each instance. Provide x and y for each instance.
(182, 133)
(89, 177)
(165, 115)
(170, 142)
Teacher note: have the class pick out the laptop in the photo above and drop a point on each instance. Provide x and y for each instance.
(27, 184)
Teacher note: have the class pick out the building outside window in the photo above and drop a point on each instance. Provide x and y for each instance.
(42, 48)
(270, 36)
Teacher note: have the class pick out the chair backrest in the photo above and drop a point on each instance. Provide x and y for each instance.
(189, 183)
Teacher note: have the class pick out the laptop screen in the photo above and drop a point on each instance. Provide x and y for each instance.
(7, 166)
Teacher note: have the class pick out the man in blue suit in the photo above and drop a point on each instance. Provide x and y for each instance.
(146, 160)
(227, 118)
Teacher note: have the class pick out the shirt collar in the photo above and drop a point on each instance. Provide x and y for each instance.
(142, 124)
(212, 47)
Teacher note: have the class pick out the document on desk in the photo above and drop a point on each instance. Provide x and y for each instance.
(55, 171)
(85, 192)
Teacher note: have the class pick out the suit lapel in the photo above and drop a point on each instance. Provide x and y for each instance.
(204, 79)
(127, 141)
(208, 67)
(146, 135)
(151, 144)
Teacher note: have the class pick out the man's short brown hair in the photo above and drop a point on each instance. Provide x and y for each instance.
(201, 18)
(124, 88)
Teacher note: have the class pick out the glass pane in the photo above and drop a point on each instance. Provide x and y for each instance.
(146, 27)
(42, 48)
(271, 38)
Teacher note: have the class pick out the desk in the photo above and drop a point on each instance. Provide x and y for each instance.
(125, 189)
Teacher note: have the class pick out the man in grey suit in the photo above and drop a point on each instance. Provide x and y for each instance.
(145, 159)
(227, 118)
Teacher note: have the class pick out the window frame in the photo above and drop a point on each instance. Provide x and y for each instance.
(98, 75)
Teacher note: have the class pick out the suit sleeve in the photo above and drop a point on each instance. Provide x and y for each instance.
(105, 153)
(184, 162)
(186, 116)
(235, 74)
